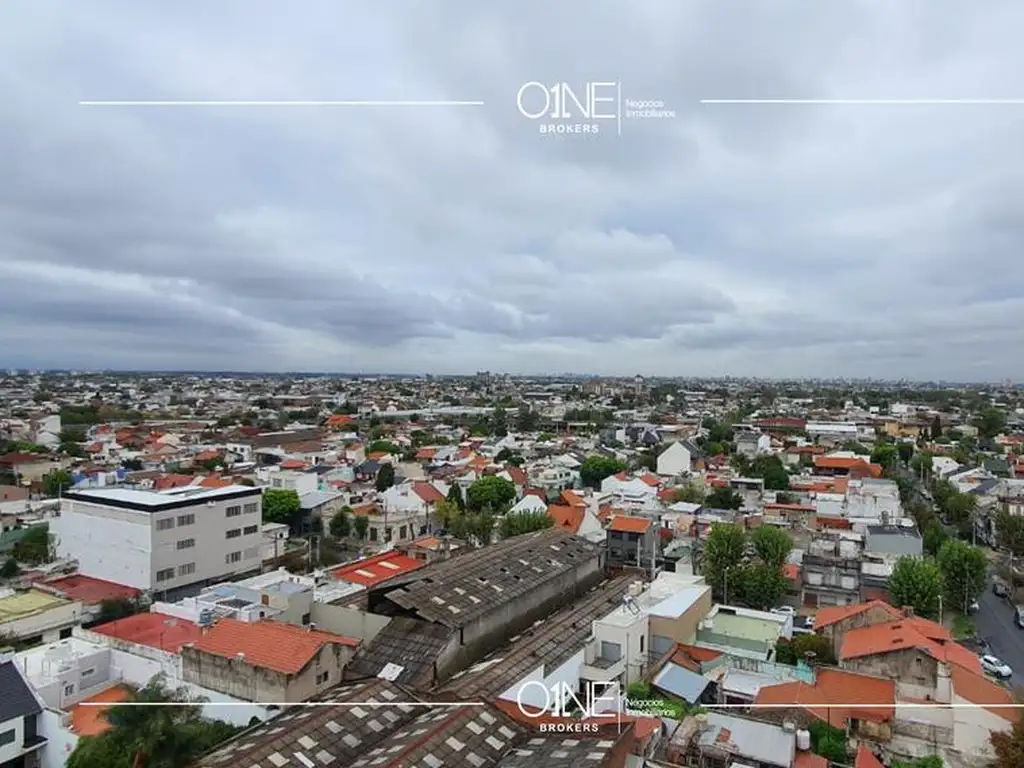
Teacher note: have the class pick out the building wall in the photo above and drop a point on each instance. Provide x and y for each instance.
(13, 749)
(46, 624)
(108, 543)
(682, 629)
(972, 728)
(916, 673)
(240, 679)
(60, 742)
(836, 633)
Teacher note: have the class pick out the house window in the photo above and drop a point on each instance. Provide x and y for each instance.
(187, 569)
(6, 737)
(641, 643)
(401, 533)
(251, 529)
(188, 519)
(611, 651)
(323, 677)
(165, 574)
(306, 618)
(233, 557)
(65, 633)
(69, 689)
(186, 543)
(233, 511)
(251, 509)
(234, 533)
(387, 533)
(373, 534)
(89, 671)
(165, 525)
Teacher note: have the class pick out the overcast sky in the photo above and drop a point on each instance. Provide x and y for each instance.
(731, 239)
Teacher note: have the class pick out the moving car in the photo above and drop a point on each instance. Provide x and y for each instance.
(993, 666)
(999, 589)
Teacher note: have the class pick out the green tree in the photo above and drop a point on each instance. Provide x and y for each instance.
(884, 454)
(855, 447)
(782, 497)
(723, 498)
(492, 493)
(152, 736)
(455, 496)
(528, 522)
(691, 493)
(828, 742)
(931, 761)
(963, 573)
(385, 477)
(936, 427)
(9, 569)
(280, 505)
(916, 582)
(383, 446)
(499, 422)
(934, 537)
(723, 553)
(1009, 746)
(34, 546)
(1010, 531)
(960, 507)
(990, 422)
(772, 545)
(445, 512)
(757, 585)
(117, 608)
(340, 525)
(921, 464)
(56, 482)
(819, 645)
(527, 419)
(361, 526)
(596, 468)
(905, 452)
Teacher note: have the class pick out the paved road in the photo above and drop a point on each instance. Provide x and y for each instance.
(995, 624)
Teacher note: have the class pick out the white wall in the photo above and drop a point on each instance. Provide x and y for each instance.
(110, 544)
(60, 741)
(47, 624)
(674, 460)
(16, 747)
(972, 728)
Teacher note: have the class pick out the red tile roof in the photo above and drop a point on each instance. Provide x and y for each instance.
(215, 481)
(567, 518)
(292, 464)
(834, 613)
(865, 759)
(88, 719)
(833, 690)
(152, 629)
(90, 591)
(272, 645)
(425, 454)
(978, 689)
(11, 459)
(572, 499)
(926, 636)
(629, 524)
(652, 480)
(375, 570)
(809, 760)
(427, 492)
(518, 475)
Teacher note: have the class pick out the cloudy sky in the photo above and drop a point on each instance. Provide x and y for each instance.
(856, 240)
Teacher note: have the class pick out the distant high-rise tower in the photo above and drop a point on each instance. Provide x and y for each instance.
(638, 385)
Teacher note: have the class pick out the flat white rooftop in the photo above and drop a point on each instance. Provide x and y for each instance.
(134, 497)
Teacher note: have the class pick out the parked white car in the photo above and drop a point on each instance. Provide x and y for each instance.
(993, 666)
(785, 610)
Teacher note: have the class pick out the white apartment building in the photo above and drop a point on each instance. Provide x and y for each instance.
(159, 542)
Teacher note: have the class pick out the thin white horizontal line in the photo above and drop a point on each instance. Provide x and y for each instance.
(869, 102)
(237, 103)
(282, 704)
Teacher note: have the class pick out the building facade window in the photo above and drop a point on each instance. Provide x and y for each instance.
(233, 557)
(323, 677)
(165, 574)
(401, 533)
(186, 543)
(251, 529)
(165, 525)
(251, 509)
(7, 737)
(234, 533)
(187, 569)
(188, 519)
(234, 511)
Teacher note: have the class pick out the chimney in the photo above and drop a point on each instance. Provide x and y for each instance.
(908, 611)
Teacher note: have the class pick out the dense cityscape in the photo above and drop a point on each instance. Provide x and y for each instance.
(619, 571)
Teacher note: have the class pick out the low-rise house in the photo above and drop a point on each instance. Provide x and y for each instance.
(34, 616)
(752, 444)
(266, 661)
(633, 542)
(719, 739)
(20, 738)
(678, 459)
(830, 571)
(742, 632)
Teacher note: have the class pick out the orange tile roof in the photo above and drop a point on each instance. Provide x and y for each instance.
(865, 759)
(88, 719)
(568, 518)
(215, 481)
(832, 689)
(428, 493)
(791, 507)
(629, 524)
(365, 510)
(791, 571)
(154, 630)
(652, 480)
(425, 454)
(292, 464)
(375, 570)
(376, 455)
(907, 633)
(978, 689)
(692, 656)
(809, 760)
(572, 499)
(272, 645)
(833, 613)
(518, 474)
(91, 591)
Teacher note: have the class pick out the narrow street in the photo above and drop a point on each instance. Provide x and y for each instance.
(996, 626)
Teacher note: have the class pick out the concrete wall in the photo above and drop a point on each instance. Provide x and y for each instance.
(238, 678)
(682, 629)
(61, 742)
(836, 633)
(342, 620)
(46, 624)
(13, 749)
(111, 544)
(972, 729)
(916, 673)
